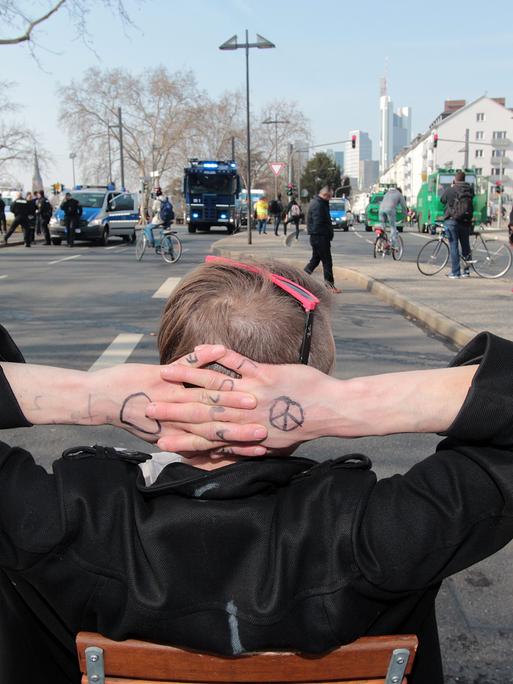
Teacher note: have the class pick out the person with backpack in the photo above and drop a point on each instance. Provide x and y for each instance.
(44, 213)
(459, 209)
(276, 211)
(294, 215)
(163, 212)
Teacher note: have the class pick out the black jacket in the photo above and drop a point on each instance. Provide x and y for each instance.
(2, 206)
(318, 220)
(263, 554)
(451, 193)
(44, 208)
(71, 208)
(21, 208)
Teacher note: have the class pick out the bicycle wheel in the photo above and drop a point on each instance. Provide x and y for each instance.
(380, 247)
(140, 245)
(398, 250)
(170, 248)
(433, 257)
(492, 258)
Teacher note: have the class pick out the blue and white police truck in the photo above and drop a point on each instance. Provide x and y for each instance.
(106, 212)
(211, 189)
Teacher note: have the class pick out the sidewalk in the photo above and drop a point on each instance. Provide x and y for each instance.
(455, 309)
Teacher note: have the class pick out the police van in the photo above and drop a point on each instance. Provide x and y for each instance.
(106, 212)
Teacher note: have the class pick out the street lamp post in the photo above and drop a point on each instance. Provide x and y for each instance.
(72, 156)
(233, 44)
(276, 121)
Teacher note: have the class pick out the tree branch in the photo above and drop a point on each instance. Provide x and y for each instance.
(32, 25)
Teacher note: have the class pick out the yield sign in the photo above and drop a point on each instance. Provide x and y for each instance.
(277, 167)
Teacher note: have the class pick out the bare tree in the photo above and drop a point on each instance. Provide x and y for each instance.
(158, 110)
(17, 19)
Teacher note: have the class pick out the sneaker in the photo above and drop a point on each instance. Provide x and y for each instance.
(453, 276)
(465, 274)
(332, 289)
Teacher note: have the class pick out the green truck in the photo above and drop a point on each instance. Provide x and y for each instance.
(372, 210)
(429, 208)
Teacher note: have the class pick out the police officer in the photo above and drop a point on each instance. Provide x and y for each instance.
(21, 210)
(72, 213)
(44, 213)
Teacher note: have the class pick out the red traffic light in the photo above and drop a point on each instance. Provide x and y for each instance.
(435, 140)
(353, 141)
(498, 186)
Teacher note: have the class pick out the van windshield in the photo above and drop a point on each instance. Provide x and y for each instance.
(445, 181)
(337, 206)
(91, 200)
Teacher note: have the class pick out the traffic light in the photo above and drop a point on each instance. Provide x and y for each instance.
(291, 189)
(499, 187)
(353, 142)
(435, 140)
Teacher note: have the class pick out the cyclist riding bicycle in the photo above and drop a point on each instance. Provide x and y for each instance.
(388, 211)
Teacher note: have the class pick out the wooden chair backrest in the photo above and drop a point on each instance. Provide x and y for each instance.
(369, 660)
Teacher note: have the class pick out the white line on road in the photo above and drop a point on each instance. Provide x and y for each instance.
(57, 261)
(166, 288)
(112, 247)
(118, 351)
(3, 276)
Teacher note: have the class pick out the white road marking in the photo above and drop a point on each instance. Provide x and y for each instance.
(166, 288)
(118, 351)
(112, 247)
(57, 261)
(3, 276)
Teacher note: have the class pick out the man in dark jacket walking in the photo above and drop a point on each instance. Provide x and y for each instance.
(320, 231)
(72, 213)
(21, 209)
(458, 200)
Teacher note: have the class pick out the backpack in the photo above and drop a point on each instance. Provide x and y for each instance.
(295, 210)
(462, 207)
(166, 211)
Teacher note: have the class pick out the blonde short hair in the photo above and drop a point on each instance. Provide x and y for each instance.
(218, 303)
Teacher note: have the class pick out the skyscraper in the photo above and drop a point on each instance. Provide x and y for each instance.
(394, 128)
(352, 157)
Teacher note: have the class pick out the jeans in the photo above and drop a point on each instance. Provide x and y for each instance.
(389, 216)
(457, 231)
(321, 251)
(262, 225)
(277, 221)
(71, 223)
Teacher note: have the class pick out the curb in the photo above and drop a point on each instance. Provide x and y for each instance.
(437, 322)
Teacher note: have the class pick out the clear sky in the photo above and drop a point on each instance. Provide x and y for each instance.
(329, 58)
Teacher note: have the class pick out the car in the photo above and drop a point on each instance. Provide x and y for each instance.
(341, 216)
(105, 213)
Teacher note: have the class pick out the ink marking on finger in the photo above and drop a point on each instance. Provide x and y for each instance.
(132, 403)
(216, 409)
(225, 450)
(248, 362)
(227, 385)
(220, 434)
(192, 358)
(286, 414)
(214, 398)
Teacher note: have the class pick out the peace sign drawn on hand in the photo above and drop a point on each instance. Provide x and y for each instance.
(286, 414)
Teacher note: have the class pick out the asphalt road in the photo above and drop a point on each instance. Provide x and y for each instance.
(66, 306)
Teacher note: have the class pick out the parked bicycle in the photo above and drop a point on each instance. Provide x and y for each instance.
(491, 258)
(383, 246)
(164, 240)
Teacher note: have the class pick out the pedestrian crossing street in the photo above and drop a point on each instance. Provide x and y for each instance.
(120, 349)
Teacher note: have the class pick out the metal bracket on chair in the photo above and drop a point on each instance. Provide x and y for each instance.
(397, 666)
(94, 665)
